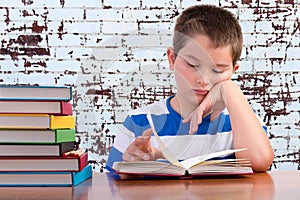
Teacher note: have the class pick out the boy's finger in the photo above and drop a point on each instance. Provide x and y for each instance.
(141, 140)
(186, 120)
(137, 155)
(142, 156)
(215, 114)
(192, 128)
(147, 132)
(194, 124)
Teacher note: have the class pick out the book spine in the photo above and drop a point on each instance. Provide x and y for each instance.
(83, 161)
(84, 174)
(66, 108)
(71, 94)
(66, 147)
(61, 122)
(65, 135)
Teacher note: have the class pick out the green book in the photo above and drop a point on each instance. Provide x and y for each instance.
(38, 136)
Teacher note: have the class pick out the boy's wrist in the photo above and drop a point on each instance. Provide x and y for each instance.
(228, 89)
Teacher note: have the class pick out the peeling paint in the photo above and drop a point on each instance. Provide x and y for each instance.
(35, 42)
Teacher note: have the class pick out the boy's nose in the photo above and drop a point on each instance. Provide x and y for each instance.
(202, 77)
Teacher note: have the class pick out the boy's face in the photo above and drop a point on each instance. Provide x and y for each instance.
(199, 66)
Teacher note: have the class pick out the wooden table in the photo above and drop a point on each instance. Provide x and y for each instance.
(262, 186)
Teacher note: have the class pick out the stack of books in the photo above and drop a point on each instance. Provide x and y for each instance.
(37, 138)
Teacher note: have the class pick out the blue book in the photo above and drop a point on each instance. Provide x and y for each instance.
(28, 92)
(45, 178)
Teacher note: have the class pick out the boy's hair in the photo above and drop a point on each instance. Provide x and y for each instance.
(218, 24)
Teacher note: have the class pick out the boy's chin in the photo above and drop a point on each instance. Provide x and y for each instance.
(199, 100)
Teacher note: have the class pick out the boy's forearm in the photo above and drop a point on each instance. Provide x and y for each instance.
(247, 130)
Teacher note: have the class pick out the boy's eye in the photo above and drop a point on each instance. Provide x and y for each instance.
(192, 65)
(217, 71)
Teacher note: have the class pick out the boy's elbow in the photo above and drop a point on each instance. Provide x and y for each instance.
(263, 162)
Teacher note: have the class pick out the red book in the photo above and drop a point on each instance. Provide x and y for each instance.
(35, 107)
(41, 164)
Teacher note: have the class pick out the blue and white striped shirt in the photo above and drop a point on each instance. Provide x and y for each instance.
(211, 136)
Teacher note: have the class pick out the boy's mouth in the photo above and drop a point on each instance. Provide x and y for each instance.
(201, 92)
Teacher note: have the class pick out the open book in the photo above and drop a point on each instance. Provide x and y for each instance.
(197, 166)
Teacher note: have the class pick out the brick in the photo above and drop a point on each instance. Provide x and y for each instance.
(264, 26)
(50, 4)
(293, 78)
(32, 14)
(279, 142)
(11, 3)
(287, 66)
(166, 41)
(247, 27)
(150, 55)
(285, 166)
(262, 65)
(278, 51)
(142, 15)
(156, 3)
(293, 40)
(104, 14)
(109, 41)
(291, 118)
(75, 53)
(63, 65)
(65, 14)
(24, 27)
(63, 40)
(293, 106)
(293, 52)
(122, 4)
(142, 41)
(83, 4)
(256, 52)
(162, 29)
(36, 78)
(81, 27)
(277, 12)
(247, 14)
(118, 66)
(264, 38)
(120, 27)
(187, 3)
(245, 66)
(9, 78)
(8, 66)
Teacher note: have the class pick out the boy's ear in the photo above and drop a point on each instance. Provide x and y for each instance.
(236, 67)
(171, 58)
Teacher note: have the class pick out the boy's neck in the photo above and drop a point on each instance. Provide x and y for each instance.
(181, 107)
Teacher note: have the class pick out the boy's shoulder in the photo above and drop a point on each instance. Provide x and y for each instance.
(156, 108)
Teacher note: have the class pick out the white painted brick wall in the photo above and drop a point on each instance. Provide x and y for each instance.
(109, 49)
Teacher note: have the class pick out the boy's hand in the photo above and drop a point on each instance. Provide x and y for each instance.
(142, 149)
(213, 103)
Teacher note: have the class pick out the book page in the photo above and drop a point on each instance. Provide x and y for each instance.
(188, 163)
(165, 151)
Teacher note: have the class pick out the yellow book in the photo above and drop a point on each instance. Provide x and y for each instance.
(36, 121)
(60, 122)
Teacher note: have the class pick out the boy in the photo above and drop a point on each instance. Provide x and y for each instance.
(209, 111)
